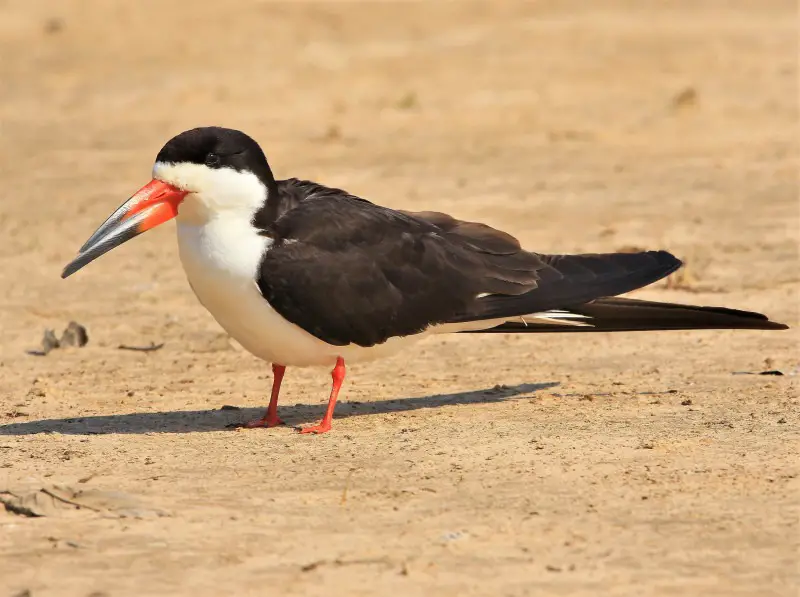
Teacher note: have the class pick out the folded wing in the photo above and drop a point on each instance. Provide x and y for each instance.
(348, 271)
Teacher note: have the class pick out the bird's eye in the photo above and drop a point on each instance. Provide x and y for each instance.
(212, 160)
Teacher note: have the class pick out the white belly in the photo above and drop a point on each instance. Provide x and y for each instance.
(221, 258)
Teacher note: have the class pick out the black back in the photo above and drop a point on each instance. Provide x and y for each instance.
(349, 271)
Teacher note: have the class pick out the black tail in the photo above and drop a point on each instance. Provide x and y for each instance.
(629, 315)
(575, 280)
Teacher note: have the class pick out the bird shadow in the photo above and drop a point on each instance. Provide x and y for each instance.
(231, 416)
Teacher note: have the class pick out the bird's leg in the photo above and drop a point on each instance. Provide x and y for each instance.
(338, 377)
(270, 418)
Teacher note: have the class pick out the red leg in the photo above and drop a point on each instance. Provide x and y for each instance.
(338, 377)
(270, 418)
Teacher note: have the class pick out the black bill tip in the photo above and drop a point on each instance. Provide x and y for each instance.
(117, 233)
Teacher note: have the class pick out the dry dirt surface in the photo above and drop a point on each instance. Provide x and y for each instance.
(629, 464)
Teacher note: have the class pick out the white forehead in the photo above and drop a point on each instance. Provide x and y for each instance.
(216, 190)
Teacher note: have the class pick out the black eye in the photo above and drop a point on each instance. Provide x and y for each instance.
(213, 160)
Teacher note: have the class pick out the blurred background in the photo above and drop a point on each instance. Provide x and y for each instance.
(575, 125)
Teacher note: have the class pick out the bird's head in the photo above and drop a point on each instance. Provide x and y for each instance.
(200, 174)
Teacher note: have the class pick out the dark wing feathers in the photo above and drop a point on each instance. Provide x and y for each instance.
(576, 279)
(616, 314)
(348, 271)
(479, 236)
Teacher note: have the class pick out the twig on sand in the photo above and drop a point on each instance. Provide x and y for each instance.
(66, 501)
(152, 348)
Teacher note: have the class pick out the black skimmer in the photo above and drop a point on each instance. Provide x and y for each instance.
(301, 274)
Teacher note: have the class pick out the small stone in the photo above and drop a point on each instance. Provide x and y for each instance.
(74, 335)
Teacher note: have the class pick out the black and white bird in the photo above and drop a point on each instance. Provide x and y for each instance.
(301, 274)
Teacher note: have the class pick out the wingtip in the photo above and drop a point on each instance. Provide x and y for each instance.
(670, 259)
(667, 262)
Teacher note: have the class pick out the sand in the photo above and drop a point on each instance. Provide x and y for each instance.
(629, 464)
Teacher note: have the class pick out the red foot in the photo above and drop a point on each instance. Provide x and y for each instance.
(271, 418)
(265, 422)
(325, 424)
(316, 429)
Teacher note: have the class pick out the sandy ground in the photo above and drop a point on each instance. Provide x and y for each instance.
(503, 466)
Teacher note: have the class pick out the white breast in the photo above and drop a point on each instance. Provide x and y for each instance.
(221, 258)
